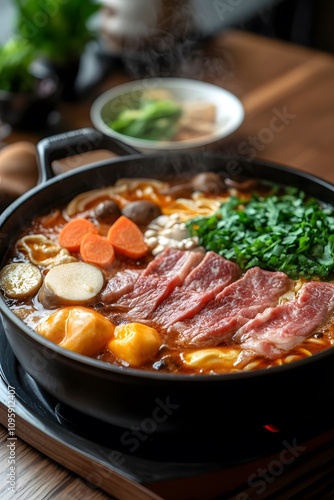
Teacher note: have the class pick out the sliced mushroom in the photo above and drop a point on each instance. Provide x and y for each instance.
(75, 283)
(20, 280)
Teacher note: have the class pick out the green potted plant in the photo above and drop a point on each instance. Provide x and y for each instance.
(28, 93)
(16, 57)
(60, 31)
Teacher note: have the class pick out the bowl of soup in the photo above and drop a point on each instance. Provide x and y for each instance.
(167, 114)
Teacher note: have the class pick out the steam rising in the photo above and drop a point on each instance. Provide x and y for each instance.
(161, 38)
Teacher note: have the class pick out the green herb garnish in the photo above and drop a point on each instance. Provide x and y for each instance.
(289, 232)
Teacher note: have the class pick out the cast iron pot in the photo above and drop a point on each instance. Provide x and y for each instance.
(130, 397)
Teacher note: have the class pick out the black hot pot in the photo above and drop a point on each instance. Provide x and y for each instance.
(128, 397)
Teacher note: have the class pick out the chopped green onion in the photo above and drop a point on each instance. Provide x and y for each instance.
(288, 232)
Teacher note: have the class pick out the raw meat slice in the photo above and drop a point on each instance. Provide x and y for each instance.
(171, 260)
(199, 287)
(119, 284)
(157, 282)
(283, 327)
(232, 308)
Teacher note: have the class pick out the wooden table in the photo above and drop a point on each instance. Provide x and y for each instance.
(287, 92)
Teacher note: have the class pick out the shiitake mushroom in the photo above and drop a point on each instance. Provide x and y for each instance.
(107, 212)
(141, 212)
(242, 184)
(208, 182)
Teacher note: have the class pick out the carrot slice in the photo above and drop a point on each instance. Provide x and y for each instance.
(97, 250)
(72, 233)
(127, 239)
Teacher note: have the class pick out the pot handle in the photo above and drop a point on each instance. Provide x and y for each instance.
(74, 143)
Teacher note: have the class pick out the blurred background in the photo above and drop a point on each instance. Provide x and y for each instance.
(56, 56)
(137, 33)
(307, 22)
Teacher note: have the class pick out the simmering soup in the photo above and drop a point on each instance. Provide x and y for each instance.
(207, 276)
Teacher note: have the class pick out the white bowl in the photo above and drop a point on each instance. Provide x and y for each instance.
(229, 110)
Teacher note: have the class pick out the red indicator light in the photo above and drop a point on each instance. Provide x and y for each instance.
(272, 428)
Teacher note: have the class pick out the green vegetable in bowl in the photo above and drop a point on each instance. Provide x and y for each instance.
(154, 119)
(287, 232)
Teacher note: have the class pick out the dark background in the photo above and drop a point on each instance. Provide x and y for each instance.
(305, 22)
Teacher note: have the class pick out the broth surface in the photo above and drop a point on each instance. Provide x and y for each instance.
(172, 205)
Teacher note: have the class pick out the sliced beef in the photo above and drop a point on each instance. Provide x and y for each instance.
(159, 279)
(281, 328)
(119, 284)
(232, 308)
(173, 261)
(199, 287)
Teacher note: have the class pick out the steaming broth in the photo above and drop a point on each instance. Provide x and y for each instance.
(97, 327)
